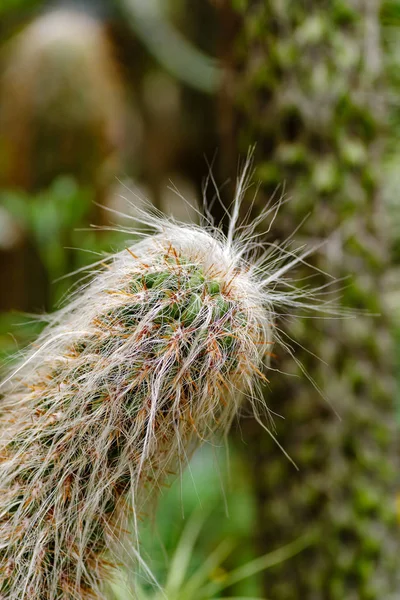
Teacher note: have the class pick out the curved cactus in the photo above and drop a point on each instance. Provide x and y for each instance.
(145, 363)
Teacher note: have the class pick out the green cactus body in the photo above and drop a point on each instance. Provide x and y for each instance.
(142, 365)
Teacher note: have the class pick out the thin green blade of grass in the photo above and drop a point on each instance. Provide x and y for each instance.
(259, 564)
(210, 564)
(183, 553)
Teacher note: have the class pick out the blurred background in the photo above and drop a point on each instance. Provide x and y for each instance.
(107, 103)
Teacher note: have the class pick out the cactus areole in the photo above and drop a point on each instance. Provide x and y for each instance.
(147, 361)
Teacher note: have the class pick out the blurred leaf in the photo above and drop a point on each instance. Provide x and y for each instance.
(260, 564)
(7, 6)
(16, 331)
(390, 12)
(209, 579)
(209, 565)
(170, 48)
(49, 218)
(181, 558)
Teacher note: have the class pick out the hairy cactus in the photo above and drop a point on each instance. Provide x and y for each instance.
(146, 362)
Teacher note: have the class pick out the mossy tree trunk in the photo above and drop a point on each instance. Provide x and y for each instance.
(307, 86)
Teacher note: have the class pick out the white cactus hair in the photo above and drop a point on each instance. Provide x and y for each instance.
(148, 359)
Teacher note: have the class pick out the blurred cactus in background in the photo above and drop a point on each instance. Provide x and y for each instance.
(62, 114)
(306, 82)
(62, 107)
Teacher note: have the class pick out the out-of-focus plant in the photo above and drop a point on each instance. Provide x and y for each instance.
(390, 16)
(12, 6)
(50, 216)
(176, 54)
(209, 579)
(309, 86)
(218, 483)
(62, 145)
(62, 104)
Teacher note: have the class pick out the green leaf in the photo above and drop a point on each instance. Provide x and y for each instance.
(260, 564)
(183, 553)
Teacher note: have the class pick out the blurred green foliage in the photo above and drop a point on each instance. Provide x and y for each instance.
(51, 217)
(57, 220)
(199, 546)
(11, 6)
